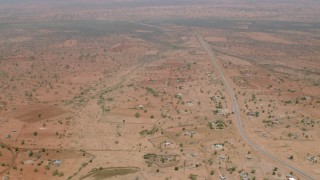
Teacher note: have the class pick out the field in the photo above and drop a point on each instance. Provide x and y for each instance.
(129, 90)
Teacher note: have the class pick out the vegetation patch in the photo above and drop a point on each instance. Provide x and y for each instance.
(218, 124)
(162, 160)
(152, 91)
(148, 132)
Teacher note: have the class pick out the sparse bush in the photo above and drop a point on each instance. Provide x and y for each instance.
(192, 176)
(152, 91)
(137, 115)
(55, 173)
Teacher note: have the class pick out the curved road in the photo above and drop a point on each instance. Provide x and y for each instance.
(238, 118)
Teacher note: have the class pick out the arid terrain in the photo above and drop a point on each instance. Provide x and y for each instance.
(138, 89)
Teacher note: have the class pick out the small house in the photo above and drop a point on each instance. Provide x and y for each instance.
(222, 157)
(222, 177)
(218, 146)
(57, 162)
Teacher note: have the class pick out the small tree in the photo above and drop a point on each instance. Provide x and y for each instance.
(137, 115)
(291, 157)
(212, 172)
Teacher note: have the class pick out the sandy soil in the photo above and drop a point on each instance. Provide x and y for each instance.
(86, 96)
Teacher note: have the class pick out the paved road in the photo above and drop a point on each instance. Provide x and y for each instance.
(236, 110)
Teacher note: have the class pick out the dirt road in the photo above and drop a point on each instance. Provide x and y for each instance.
(236, 111)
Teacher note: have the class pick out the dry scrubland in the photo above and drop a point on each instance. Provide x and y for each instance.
(124, 90)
